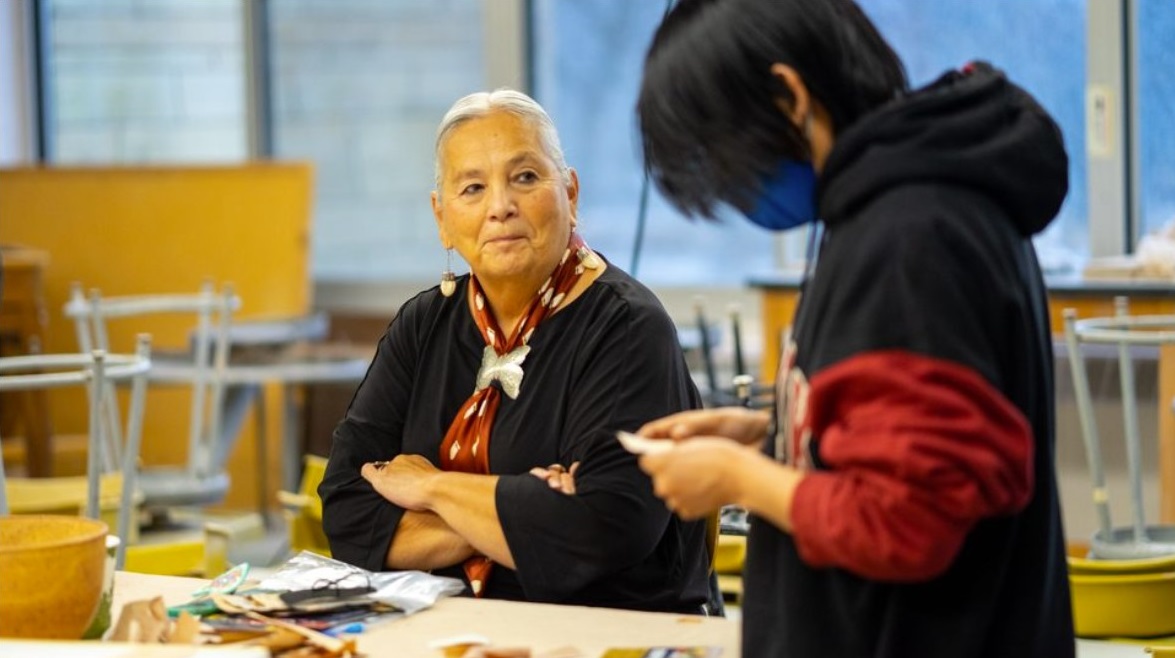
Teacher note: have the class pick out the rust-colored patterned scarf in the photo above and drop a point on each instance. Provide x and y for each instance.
(466, 444)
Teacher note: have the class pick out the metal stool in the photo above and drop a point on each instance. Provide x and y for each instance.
(1138, 540)
(94, 370)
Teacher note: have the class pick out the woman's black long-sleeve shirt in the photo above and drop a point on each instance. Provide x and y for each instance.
(608, 361)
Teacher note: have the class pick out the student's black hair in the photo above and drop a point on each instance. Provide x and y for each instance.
(711, 128)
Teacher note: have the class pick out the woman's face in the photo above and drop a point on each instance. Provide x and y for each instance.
(502, 203)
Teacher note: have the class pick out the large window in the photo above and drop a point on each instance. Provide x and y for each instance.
(1040, 45)
(132, 81)
(1156, 113)
(587, 59)
(359, 87)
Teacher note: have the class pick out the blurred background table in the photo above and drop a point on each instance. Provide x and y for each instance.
(289, 352)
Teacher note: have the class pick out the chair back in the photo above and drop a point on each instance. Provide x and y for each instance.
(200, 363)
(96, 370)
(1127, 335)
(303, 510)
(742, 390)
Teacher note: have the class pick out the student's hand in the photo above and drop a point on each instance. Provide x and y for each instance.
(746, 426)
(696, 477)
(557, 477)
(402, 480)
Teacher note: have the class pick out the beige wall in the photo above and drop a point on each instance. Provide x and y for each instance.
(134, 230)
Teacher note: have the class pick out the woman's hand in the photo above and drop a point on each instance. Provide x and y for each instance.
(403, 481)
(557, 477)
(746, 426)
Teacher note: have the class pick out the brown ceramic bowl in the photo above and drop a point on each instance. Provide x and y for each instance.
(52, 570)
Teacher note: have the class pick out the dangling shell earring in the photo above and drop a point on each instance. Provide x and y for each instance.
(448, 279)
(587, 258)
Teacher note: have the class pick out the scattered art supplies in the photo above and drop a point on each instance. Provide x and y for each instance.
(227, 582)
(407, 591)
(310, 606)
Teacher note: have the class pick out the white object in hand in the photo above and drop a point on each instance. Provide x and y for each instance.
(639, 445)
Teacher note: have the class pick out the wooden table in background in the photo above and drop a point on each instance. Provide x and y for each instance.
(272, 352)
(23, 322)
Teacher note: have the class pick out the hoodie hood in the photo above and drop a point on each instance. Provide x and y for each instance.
(972, 128)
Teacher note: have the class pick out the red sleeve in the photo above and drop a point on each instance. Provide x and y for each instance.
(917, 450)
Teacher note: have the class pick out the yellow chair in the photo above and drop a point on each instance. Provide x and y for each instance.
(730, 552)
(728, 564)
(203, 556)
(67, 496)
(303, 510)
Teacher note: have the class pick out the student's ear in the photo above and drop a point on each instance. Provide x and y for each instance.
(801, 104)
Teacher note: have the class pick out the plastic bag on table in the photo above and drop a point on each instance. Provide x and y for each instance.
(409, 591)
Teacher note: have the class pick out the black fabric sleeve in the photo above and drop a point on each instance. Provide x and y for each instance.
(358, 522)
(628, 372)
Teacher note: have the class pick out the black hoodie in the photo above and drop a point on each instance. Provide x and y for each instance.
(917, 395)
(974, 129)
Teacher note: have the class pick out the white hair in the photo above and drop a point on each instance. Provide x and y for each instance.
(482, 103)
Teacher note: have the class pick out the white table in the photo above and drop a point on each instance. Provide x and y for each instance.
(54, 649)
(541, 627)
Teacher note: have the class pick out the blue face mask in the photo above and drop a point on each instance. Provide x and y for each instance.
(788, 198)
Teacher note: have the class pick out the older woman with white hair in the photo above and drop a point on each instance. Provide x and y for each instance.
(490, 389)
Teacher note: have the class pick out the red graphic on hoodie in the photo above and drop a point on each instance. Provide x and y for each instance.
(793, 422)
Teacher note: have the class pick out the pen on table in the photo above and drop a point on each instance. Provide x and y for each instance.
(351, 629)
